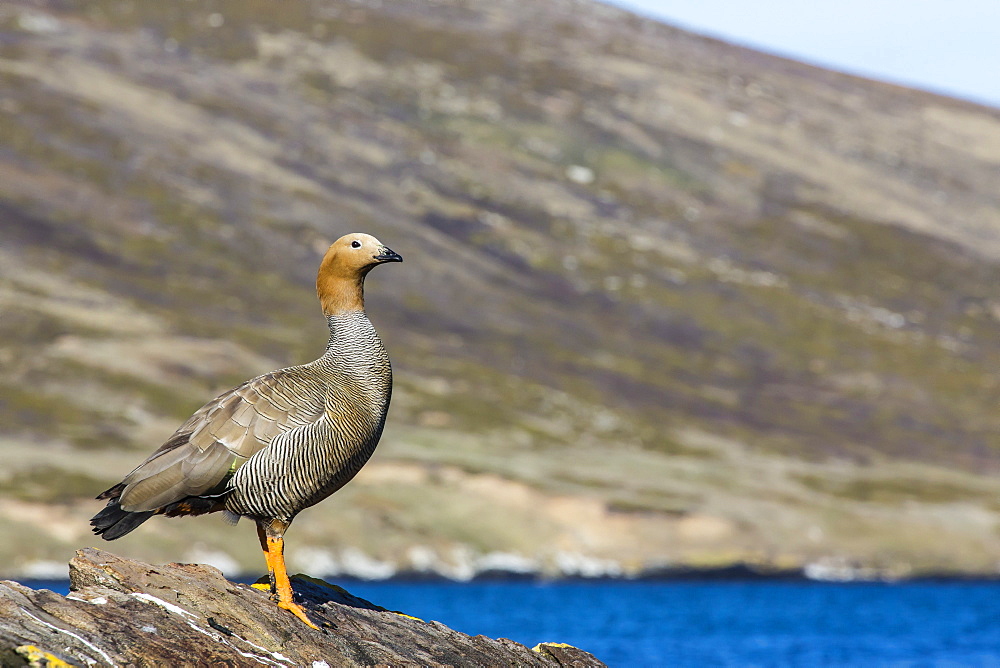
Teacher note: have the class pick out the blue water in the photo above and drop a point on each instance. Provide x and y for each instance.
(722, 623)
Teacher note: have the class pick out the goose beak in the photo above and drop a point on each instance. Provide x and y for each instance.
(388, 255)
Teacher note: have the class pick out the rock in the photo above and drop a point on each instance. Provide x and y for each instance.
(123, 612)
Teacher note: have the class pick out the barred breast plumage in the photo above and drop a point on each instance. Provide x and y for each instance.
(348, 391)
(281, 442)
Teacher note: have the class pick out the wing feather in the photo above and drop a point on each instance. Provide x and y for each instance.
(222, 435)
(245, 412)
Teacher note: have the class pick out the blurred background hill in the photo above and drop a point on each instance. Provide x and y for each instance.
(665, 301)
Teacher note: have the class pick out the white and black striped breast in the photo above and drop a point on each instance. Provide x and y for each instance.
(300, 467)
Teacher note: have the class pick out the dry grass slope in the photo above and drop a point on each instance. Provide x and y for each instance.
(665, 300)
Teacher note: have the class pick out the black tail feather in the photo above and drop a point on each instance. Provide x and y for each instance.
(113, 522)
(112, 493)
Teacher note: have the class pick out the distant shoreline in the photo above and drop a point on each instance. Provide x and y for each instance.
(740, 573)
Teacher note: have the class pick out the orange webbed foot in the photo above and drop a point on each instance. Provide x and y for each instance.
(298, 611)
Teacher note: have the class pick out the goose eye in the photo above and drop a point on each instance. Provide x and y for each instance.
(355, 244)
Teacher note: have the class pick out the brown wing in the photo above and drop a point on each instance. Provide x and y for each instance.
(219, 438)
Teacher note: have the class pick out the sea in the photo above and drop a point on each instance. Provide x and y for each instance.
(719, 623)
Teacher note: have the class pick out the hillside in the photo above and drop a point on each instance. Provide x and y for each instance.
(665, 301)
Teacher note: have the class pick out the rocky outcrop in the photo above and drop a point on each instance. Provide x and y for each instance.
(123, 612)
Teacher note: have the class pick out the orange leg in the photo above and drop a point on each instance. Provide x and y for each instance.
(272, 542)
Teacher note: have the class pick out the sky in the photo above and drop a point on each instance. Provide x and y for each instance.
(946, 46)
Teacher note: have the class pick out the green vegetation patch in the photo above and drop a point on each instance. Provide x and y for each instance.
(27, 410)
(51, 484)
(30, 327)
(893, 490)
